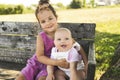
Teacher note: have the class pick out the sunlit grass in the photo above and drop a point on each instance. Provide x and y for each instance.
(106, 41)
(112, 26)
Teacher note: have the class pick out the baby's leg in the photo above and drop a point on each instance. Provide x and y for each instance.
(60, 75)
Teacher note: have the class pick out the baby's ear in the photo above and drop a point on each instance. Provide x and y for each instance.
(54, 41)
(73, 40)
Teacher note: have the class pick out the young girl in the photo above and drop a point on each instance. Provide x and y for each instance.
(65, 48)
(36, 65)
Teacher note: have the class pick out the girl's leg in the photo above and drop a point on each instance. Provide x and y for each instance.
(20, 77)
(81, 74)
(76, 74)
(28, 73)
(60, 75)
(42, 78)
(42, 75)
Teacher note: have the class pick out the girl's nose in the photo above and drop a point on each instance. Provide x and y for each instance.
(48, 22)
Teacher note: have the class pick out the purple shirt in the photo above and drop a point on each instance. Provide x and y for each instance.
(48, 44)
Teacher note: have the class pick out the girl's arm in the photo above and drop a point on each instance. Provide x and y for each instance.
(83, 54)
(44, 59)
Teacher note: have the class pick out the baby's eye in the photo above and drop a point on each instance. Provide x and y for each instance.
(58, 39)
(50, 18)
(66, 38)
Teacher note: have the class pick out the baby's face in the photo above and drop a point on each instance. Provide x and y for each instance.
(63, 41)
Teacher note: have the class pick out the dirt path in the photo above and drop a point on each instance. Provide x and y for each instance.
(6, 74)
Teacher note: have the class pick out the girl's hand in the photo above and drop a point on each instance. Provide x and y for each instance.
(63, 63)
(50, 77)
(77, 46)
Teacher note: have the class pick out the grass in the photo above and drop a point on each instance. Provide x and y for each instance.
(107, 29)
(106, 40)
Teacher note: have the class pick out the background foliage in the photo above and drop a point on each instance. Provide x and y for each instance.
(14, 9)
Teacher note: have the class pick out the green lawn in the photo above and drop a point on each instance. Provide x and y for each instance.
(106, 41)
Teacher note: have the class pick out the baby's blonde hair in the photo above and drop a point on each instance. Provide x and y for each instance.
(63, 29)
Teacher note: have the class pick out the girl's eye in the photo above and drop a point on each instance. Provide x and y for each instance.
(42, 21)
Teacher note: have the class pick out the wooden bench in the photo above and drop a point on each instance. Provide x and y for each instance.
(18, 43)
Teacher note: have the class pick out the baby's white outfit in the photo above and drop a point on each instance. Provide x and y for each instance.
(71, 55)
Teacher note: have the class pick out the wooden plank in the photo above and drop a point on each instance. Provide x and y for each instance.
(81, 30)
(11, 65)
(21, 28)
(18, 42)
(13, 55)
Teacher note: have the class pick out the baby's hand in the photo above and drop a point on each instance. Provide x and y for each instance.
(50, 77)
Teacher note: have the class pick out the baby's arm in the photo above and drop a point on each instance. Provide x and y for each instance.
(50, 71)
(73, 71)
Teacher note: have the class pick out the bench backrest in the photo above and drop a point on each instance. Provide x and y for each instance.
(18, 39)
(18, 43)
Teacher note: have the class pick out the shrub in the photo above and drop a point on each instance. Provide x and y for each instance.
(75, 4)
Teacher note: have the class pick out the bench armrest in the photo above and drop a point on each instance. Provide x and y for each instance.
(91, 62)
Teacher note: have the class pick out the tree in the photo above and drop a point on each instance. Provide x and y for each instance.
(19, 9)
(75, 4)
(84, 3)
(92, 2)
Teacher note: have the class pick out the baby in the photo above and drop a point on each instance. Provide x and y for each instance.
(67, 48)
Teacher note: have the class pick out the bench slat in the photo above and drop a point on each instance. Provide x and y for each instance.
(21, 28)
(79, 30)
(18, 42)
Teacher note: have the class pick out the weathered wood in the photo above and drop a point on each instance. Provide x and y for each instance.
(17, 56)
(18, 42)
(81, 30)
(21, 28)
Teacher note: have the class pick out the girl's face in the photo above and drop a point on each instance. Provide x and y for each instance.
(47, 21)
(63, 41)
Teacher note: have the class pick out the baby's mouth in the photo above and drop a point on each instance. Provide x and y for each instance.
(63, 46)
